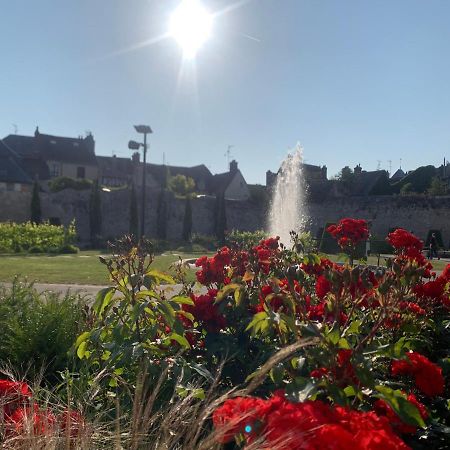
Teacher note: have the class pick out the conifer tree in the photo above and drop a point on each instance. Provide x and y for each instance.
(36, 213)
(95, 213)
(187, 221)
(134, 220)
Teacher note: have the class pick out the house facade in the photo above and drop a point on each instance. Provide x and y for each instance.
(231, 184)
(12, 176)
(46, 156)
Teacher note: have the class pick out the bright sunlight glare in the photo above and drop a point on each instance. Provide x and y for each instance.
(190, 26)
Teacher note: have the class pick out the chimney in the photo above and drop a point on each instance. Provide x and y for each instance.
(136, 157)
(357, 170)
(90, 143)
(36, 132)
(233, 166)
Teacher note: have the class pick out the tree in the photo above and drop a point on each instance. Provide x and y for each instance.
(36, 213)
(161, 215)
(220, 225)
(346, 177)
(406, 189)
(181, 184)
(187, 221)
(95, 213)
(134, 220)
(437, 187)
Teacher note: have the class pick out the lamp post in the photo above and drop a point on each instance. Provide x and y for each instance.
(133, 145)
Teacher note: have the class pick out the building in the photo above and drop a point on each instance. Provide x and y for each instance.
(12, 176)
(114, 171)
(231, 184)
(46, 156)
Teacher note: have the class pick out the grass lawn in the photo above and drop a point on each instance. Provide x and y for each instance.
(81, 268)
(438, 265)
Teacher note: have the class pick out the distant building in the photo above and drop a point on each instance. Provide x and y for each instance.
(12, 175)
(45, 156)
(311, 173)
(231, 184)
(114, 171)
(398, 175)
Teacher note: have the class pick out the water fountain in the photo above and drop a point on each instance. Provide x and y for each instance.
(287, 209)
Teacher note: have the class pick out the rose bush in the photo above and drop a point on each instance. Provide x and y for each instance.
(356, 351)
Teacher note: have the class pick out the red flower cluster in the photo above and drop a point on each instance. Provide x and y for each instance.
(265, 251)
(349, 232)
(312, 425)
(402, 240)
(427, 375)
(213, 269)
(204, 310)
(383, 409)
(19, 413)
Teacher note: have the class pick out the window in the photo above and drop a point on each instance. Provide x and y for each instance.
(55, 170)
(81, 173)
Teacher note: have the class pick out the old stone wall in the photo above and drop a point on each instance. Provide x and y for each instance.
(416, 213)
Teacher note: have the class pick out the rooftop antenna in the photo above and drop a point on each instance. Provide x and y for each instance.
(390, 166)
(15, 128)
(379, 164)
(228, 155)
(164, 158)
(400, 163)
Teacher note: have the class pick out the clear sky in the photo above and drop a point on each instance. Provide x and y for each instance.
(353, 81)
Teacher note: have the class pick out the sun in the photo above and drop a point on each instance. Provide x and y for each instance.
(190, 25)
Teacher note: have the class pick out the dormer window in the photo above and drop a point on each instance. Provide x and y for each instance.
(76, 144)
(53, 142)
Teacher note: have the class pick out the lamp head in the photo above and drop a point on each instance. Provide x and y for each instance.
(133, 145)
(144, 129)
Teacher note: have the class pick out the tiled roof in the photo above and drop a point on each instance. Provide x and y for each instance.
(10, 169)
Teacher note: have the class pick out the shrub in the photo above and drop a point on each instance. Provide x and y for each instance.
(61, 183)
(19, 237)
(38, 330)
(208, 242)
(246, 238)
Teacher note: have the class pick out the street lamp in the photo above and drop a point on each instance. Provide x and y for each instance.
(133, 145)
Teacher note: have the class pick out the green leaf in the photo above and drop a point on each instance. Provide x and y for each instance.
(156, 277)
(401, 406)
(81, 338)
(258, 317)
(81, 350)
(182, 300)
(226, 291)
(333, 335)
(103, 299)
(180, 339)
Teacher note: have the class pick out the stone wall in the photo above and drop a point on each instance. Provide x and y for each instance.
(416, 213)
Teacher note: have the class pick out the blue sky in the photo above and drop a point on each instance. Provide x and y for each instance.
(354, 81)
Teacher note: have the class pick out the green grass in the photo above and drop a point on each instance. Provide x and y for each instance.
(81, 268)
(438, 265)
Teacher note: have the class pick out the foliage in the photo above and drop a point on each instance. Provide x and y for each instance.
(134, 220)
(419, 179)
(38, 330)
(187, 220)
(35, 207)
(208, 242)
(245, 238)
(259, 194)
(61, 183)
(20, 237)
(382, 186)
(95, 213)
(346, 177)
(438, 187)
(181, 184)
(407, 188)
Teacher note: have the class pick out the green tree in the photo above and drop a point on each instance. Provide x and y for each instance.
(134, 220)
(181, 184)
(36, 213)
(95, 213)
(346, 177)
(437, 187)
(406, 189)
(220, 215)
(161, 215)
(187, 221)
